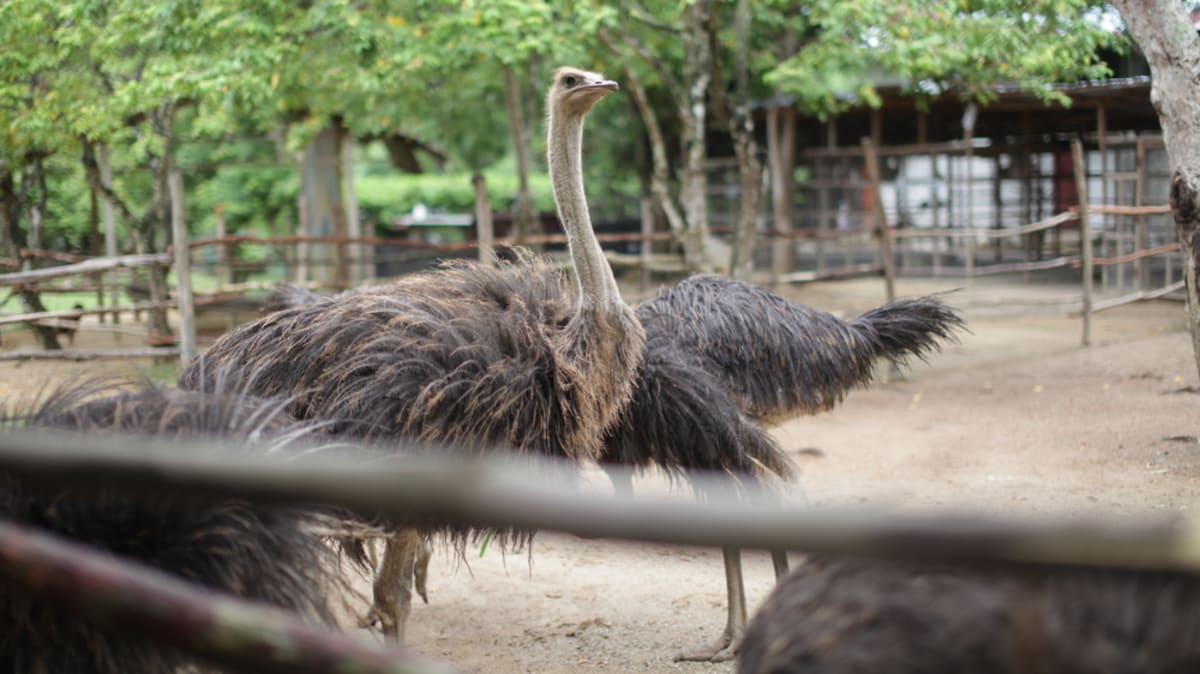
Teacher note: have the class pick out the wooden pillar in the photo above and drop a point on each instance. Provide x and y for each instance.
(871, 159)
(484, 231)
(826, 178)
(224, 257)
(970, 242)
(1142, 265)
(1085, 235)
(362, 267)
(647, 247)
(183, 270)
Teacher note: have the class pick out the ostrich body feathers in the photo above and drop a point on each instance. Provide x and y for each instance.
(844, 616)
(267, 553)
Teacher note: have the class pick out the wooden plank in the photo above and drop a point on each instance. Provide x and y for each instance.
(885, 234)
(91, 266)
(1085, 237)
(90, 354)
(484, 231)
(1138, 296)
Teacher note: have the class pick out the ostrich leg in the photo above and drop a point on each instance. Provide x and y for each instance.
(405, 563)
(726, 645)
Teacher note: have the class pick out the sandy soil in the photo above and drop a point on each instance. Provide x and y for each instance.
(1017, 417)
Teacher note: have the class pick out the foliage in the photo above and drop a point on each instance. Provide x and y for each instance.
(929, 47)
(231, 91)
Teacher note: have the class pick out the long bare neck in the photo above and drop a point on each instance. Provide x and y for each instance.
(598, 291)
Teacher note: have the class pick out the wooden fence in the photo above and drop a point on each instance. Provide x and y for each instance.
(888, 249)
(497, 491)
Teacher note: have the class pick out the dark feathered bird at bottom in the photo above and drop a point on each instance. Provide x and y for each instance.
(274, 554)
(850, 616)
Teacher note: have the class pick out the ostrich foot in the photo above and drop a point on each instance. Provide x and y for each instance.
(726, 646)
(724, 649)
(405, 559)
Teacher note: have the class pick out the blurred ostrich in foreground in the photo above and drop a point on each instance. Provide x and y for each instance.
(847, 616)
(274, 554)
(723, 357)
(468, 356)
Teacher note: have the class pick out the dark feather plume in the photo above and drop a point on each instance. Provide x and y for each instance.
(468, 357)
(843, 616)
(273, 554)
(779, 358)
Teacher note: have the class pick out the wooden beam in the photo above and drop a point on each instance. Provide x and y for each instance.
(91, 266)
(89, 354)
(183, 269)
(1085, 236)
(884, 230)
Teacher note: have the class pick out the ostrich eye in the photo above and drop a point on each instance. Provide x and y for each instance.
(570, 81)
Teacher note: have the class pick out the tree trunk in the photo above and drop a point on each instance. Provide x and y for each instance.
(781, 128)
(323, 211)
(692, 111)
(158, 217)
(1164, 32)
(525, 222)
(660, 177)
(12, 205)
(741, 126)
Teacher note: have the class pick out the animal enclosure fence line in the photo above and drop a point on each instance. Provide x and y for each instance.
(424, 251)
(875, 231)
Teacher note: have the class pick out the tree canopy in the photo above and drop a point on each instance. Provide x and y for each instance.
(201, 84)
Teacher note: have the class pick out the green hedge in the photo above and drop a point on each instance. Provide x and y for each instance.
(384, 198)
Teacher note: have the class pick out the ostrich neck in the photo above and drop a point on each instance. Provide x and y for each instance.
(598, 291)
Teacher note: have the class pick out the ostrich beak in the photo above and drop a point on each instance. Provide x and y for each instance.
(606, 85)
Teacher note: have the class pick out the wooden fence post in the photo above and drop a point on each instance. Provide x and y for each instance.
(885, 232)
(183, 269)
(1085, 237)
(485, 236)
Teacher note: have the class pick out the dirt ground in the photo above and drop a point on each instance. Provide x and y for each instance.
(1016, 417)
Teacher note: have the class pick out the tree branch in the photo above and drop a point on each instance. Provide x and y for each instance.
(91, 172)
(674, 88)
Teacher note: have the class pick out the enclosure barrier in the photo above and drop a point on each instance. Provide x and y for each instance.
(888, 263)
(506, 491)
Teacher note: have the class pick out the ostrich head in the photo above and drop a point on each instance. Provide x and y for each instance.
(575, 91)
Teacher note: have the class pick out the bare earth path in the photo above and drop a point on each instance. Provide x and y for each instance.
(1015, 418)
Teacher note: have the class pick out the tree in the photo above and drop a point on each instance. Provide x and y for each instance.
(828, 55)
(1164, 32)
(934, 47)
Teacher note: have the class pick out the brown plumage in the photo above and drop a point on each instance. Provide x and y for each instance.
(469, 355)
(850, 616)
(722, 357)
(273, 554)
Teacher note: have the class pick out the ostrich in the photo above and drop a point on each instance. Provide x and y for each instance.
(722, 358)
(469, 355)
(843, 616)
(273, 554)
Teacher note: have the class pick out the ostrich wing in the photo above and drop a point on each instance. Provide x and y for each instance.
(680, 418)
(779, 358)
